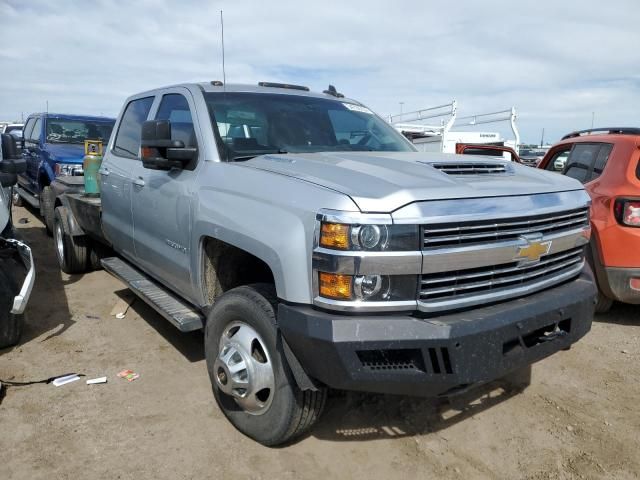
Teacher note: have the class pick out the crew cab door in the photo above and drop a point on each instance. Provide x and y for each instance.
(116, 176)
(31, 153)
(161, 201)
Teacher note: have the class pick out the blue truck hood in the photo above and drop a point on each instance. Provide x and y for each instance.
(384, 182)
(65, 152)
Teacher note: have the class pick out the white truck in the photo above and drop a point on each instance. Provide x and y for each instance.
(441, 136)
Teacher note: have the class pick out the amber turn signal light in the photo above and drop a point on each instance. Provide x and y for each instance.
(335, 286)
(335, 235)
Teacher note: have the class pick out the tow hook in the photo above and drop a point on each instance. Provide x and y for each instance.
(553, 335)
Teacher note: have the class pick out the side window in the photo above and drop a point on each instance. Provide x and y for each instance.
(601, 160)
(34, 135)
(175, 108)
(127, 143)
(26, 133)
(581, 160)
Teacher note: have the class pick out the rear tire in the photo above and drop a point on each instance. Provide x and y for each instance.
(603, 304)
(10, 324)
(47, 208)
(284, 412)
(72, 252)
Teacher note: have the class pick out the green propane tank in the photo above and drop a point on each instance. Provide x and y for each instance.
(91, 164)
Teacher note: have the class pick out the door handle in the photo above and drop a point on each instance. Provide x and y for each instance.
(138, 182)
(104, 171)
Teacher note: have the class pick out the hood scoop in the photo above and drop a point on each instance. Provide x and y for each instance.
(472, 168)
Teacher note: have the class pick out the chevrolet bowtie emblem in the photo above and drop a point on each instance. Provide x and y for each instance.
(534, 250)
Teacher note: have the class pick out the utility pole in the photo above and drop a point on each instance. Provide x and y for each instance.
(47, 106)
(401, 105)
(593, 115)
(542, 138)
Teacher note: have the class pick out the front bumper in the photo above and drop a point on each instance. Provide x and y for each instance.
(404, 354)
(22, 298)
(619, 286)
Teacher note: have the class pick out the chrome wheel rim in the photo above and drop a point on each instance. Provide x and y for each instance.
(59, 245)
(243, 369)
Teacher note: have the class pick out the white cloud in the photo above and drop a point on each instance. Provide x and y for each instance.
(555, 62)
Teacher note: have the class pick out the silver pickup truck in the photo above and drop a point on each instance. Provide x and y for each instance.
(319, 250)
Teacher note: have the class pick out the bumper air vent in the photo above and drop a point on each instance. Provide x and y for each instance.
(437, 360)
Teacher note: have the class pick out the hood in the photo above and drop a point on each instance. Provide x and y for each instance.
(4, 208)
(65, 152)
(386, 181)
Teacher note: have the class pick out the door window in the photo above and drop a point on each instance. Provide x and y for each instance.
(127, 142)
(175, 108)
(34, 136)
(26, 133)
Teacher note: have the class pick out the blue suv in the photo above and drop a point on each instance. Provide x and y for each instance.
(53, 145)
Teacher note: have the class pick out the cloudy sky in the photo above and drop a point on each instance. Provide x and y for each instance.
(555, 61)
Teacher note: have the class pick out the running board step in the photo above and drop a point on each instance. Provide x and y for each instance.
(182, 315)
(32, 200)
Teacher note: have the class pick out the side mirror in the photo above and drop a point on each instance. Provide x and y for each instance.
(159, 152)
(11, 164)
(9, 147)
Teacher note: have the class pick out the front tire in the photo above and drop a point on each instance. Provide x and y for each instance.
(251, 380)
(47, 208)
(72, 252)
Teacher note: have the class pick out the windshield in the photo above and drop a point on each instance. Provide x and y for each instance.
(252, 124)
(62, 130)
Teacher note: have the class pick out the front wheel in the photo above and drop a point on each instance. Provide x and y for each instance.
(72, 252)
(603, 303)
(251, 380)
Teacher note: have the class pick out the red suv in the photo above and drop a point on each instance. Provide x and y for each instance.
(607, 162)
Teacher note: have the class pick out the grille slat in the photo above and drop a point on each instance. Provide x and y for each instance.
(463, 283)
(452, 235)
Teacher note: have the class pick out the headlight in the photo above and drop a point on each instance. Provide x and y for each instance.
(71, 169)
(370, 288)
(340, 236)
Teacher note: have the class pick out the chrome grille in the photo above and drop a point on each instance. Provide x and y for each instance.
(444, 235)
(480, 281)
(468, 168)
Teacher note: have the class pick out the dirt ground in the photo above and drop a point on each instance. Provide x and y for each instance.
(580, 418)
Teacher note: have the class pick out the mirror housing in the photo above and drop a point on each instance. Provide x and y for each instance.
(159, 152)
(11, 164)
